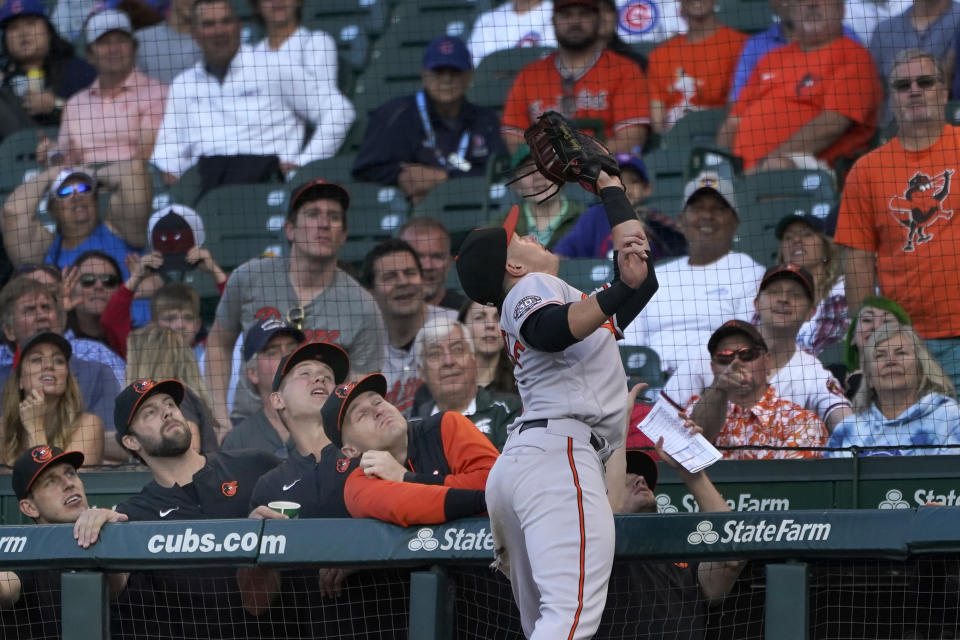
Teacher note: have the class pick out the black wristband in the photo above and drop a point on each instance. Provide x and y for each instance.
(617, 206)
(613, 296)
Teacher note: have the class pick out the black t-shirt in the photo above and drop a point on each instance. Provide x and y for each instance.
(316, 486)
(220, 490)
(654, 600)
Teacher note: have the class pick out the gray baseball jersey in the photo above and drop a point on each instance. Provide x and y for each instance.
(584, 384)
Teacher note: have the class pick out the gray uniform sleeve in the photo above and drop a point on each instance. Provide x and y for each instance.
(366, 352)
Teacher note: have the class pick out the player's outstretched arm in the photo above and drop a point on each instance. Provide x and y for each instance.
(716, 578)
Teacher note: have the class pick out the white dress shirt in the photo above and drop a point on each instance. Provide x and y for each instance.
(259, 109)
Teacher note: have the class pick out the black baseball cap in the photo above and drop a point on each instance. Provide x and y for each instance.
(640, 461)
(32, 462)
(731, 327)
(792, 272)
(319, 189)
(335, 408)
(825, 224)
(329, 354)
(44, 337)
(483, 259)
(261, 333)
(135, 394)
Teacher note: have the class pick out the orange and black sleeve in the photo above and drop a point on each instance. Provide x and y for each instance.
(469, 453)
(408, 503)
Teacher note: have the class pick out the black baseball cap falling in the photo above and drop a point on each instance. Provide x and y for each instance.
(483, 259)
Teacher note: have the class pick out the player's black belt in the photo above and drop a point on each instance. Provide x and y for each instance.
(595, 441)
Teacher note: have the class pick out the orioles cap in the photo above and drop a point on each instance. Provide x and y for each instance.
(34, 461)
(483, 259)
(135, 394)
(791, 272)
(335, 408)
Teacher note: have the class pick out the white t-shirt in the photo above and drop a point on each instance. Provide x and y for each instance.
(802, 380)
(504, 28)
(691, 303)
(315, 51)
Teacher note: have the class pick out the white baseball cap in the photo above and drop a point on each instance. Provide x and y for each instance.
(106, 21)
(711, 180)
(67, 174)
(191, 217)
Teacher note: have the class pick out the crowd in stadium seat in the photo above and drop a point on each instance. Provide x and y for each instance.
(793, 162)
(254, 95)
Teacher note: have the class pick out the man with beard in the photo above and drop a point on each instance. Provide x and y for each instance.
(582, 80)
(186, 485)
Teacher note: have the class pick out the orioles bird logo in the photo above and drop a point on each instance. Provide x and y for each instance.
(921, 205)
(229, 489)
(344, 391)
(142, 386)
(41, 454)
(343, 464)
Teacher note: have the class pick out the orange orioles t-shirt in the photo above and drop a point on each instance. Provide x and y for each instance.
(790, 87)
(680, 77)
(902, 205)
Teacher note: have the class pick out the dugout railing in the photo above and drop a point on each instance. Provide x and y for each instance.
(786, 545)
(896, 482)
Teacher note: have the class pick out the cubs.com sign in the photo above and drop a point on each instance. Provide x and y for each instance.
(453, 539)
(786, 530)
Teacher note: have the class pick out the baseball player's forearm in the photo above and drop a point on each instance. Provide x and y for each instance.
(717, 578)
(630, 309)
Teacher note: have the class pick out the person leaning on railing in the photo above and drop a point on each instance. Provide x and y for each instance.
(905, 400)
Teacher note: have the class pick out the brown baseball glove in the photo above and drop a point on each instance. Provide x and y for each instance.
(564, 154)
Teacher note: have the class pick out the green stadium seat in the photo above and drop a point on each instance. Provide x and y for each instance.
(751, 16)
(461, 204)
(369, 15)
(832, 355)
(18, 159)
(495, 74)
(375, 211)
(586, 274)
(642, 364)
(818, 186)
(694, 129)
(953, 112)
(243, 221)
(390, 74)
(416, 24)
(354, 250)
(335, 169)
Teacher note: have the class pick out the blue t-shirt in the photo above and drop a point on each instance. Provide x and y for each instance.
(102, 239)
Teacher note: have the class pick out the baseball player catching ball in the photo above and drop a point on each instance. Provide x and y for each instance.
(546, 496)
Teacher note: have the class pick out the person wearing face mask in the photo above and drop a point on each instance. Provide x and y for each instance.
(742, 411)
(905, 404)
